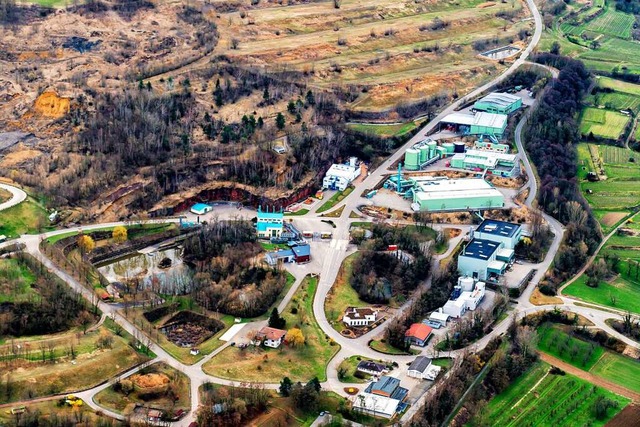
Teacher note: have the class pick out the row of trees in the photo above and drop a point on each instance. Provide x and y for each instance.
(551, 135)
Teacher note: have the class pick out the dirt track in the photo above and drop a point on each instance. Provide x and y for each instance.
(590, 377)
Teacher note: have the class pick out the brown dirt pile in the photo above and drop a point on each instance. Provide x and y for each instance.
(150, 380)
(49, 104)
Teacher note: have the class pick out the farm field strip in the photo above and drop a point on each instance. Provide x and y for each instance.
(550, 400)
(604, 123)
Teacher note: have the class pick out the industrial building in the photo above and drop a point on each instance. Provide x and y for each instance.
(339, 176)
(498, 103)
(480, 123)
(465, 296)
(484, 259)
(491, 145)
(455, 194)
(507, 233)
(269, 224)
(422, 154)
(500, 164)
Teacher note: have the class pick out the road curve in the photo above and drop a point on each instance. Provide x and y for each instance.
(17, 196)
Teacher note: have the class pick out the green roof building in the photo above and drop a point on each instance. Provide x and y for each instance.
(498, 103)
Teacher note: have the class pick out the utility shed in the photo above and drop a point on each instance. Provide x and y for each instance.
(499, 103)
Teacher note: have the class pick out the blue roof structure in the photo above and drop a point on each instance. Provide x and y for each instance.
(480, 249)
(263, 226)
(303, 250)
(269, 215)
(200, 207)
(388, 386)
(498, 228)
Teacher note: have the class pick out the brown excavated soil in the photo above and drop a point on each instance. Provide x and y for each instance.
(150, 380)
(49, 104)
(612, 218)
(629, 416)
(622, 391)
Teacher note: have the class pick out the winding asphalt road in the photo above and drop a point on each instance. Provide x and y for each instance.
(17, 196)
(339, 249)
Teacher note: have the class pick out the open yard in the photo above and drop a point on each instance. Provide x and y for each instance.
(603, 123)
(158, 386)
(620, 294)
(65, 412)
(399, 52)
(271, 365)
(543, 399)
(91, 366)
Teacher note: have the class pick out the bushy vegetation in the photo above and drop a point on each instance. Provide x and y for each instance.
(228, 279)
(55, 309)
(236, 405)
(378, 275)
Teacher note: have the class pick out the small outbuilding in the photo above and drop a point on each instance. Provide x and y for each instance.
(439, 317)
(201, 208)
(301, 253)
(419, 367)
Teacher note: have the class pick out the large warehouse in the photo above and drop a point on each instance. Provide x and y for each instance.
(498, 103)
(480, 123)
(455, 194)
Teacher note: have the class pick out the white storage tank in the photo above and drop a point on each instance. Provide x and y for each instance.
(466, 283)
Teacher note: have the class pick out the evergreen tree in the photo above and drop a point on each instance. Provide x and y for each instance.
(275, 321)
(280, 121)
(285, 386)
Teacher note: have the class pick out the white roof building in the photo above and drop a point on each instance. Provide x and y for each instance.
(339, 176)
(376, 405)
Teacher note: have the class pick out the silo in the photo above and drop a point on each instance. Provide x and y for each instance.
(432, 148)
(466, 283)
(448, 146)
(441, 152)
(412, 159)
(458, 147)
(424, 153)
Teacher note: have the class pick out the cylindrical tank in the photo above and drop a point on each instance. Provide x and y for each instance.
(441, 152)
(432, 148)
(412, 159)
(466, 283)
(448, 146)
(353, 161)
(424, 154)
(458, 147)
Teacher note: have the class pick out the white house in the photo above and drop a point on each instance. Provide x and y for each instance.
(271, 337)
(339, 176)
(359, 316)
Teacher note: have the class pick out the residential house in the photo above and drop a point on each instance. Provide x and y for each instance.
(154, 415)
(418, 334)
(271, 337)
(359, 316)
(372, 368)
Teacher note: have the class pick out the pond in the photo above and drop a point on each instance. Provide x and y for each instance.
(174, 280)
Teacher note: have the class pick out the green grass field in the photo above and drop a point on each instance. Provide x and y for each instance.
(619, 85)
(621, 370)
(621, 190)
(603, 123)
(28, 217)
(384, 131)
(335, 199)
(16, 281)
(557, 343)
(271, 365)
(590, 357)
(542, 399)
(342, 295)
(623, 292)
